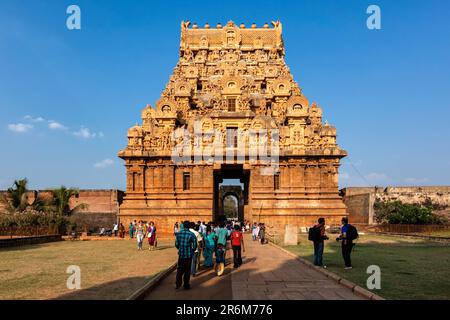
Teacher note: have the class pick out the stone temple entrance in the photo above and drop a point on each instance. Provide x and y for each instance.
(240, 193)
(232, 110)
(234, 196)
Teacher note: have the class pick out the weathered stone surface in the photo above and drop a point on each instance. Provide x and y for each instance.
(232, 110)
(291, 235)
(360, 200)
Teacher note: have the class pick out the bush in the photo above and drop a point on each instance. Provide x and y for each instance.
(396, 212)
(33, 218)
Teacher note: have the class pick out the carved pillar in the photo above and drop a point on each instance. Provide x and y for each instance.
(157, 178)
(142, 168)
(196, 177)
(129, 178)
(167, 177)
(149, 179)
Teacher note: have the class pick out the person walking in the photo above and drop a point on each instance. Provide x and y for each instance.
(121, 230)
(196, 257)
(145, 225)
(140, 235)
(152, 236)
(176, 228)
(135, 224)
(254, 231)
(210, 245)
(348, 235)
(115, 229)
(318, 236)
(237, 243)
(202, 228)
(221, 248)
(131, 230)
(262, 233)
(186, 243)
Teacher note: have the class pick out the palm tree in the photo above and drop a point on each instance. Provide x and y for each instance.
(16, 197)
(61, 201)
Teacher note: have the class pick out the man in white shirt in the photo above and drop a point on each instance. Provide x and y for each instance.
(197, 253)
(115, 229)
(202, 228)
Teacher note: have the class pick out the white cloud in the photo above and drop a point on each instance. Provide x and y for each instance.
(104, 163)
(85, 133)
(19, 127)
(56, 125)
(31, 119)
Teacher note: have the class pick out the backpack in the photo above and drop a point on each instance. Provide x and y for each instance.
(314, 233)
(352, 233)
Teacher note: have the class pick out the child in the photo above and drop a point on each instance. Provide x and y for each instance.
(237, 242)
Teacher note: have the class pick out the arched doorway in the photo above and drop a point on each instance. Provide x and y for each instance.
(230, 204)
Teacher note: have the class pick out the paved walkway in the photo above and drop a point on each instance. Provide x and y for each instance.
(267, 273)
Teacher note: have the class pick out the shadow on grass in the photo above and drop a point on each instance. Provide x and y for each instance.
(119, 289)
(29, 246)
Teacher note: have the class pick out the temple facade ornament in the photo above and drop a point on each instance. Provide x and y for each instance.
(231, 96)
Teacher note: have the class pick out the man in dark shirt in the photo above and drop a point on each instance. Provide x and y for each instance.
(319, 243)
(186, 243)
(347, 244)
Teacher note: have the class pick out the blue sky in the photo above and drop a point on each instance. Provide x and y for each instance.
(67, 97)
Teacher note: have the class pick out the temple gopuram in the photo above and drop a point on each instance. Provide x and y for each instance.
(232, 110)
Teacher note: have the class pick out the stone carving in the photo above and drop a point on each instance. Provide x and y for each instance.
(235, 80)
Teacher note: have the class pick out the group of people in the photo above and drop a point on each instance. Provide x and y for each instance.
(347, 236)
(259, 232)
(210, 240)
(141, 230)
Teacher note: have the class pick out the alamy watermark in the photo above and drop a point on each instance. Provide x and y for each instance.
(374, 20)
(374, 280)
(73, 21)
(231, 146)
(74, 280)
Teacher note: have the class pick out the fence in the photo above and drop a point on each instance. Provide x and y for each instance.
(408, 228)
(27, 231)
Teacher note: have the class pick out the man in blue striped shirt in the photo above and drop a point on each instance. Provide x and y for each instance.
(186, 243)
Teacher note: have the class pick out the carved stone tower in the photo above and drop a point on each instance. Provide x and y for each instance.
(231, 109)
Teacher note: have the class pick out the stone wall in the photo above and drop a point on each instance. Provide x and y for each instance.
(14, 242)
(360, 208)
(102, 206)
(360, 200)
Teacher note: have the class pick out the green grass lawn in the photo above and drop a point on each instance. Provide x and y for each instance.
(442, 233)
(410, 268)
(110, 269)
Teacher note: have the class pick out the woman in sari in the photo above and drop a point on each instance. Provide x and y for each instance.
(210, 245)
(152, 236)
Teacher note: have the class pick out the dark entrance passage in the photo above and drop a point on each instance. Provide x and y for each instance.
(230, 184)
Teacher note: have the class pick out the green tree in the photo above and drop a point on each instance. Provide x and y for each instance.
(16, 197)
(396, 212)
(230, 206)
(61, 201)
